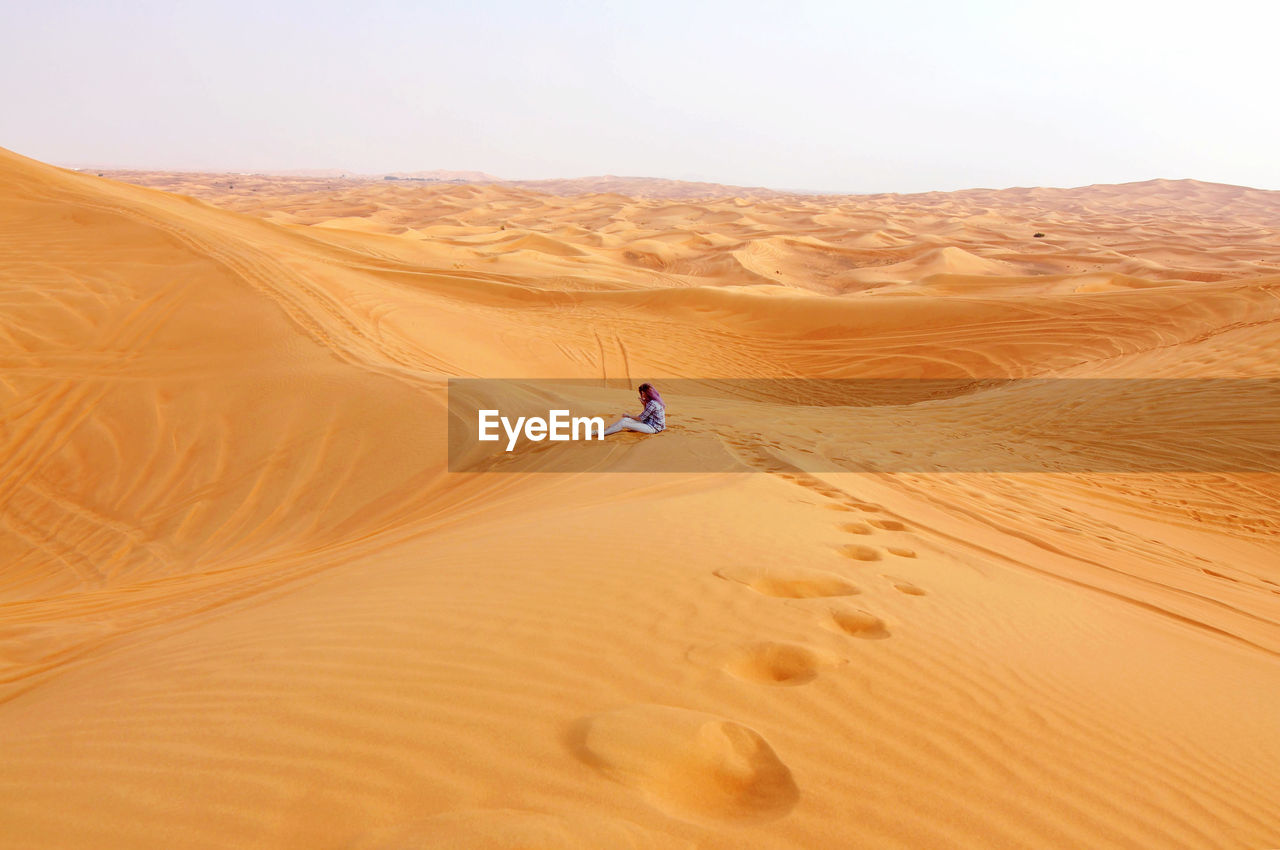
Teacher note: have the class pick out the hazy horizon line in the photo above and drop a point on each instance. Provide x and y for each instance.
(323, 172)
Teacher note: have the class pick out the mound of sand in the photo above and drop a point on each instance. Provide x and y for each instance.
(245, 604)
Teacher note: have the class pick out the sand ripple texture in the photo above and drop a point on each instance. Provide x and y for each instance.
(243, 603)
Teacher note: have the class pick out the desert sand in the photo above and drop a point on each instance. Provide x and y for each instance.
(246, 604)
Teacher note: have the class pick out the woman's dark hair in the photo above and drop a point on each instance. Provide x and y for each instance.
(651, 394)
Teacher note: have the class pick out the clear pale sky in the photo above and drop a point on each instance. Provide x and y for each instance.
(848, 96)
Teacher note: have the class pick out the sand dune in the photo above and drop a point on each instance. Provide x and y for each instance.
(1160, 231)
(246, 604)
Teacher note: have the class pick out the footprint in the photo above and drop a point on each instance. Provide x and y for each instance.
(688, 764)
(888, 524)
(858, 552)
(856, 528)
(900, 552)
(839, 507)
(866, 507)
(903, 586)
(769, 662)
(858, 623)
(790, 582)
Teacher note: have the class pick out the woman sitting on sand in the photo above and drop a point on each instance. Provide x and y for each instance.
(650, 421)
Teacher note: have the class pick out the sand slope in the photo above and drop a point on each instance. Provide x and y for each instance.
(244, 604)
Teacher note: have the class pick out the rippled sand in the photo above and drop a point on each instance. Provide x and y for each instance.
(245, 604)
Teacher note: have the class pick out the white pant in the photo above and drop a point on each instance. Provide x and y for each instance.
(630, 424)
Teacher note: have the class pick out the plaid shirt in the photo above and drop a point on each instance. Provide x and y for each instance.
(655, 415)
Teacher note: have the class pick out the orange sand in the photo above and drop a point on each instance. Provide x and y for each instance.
(245, 605)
